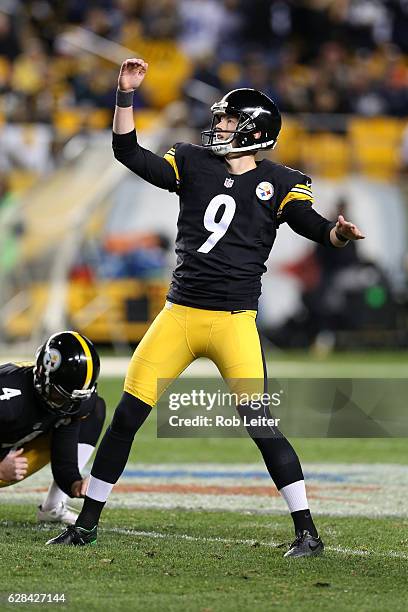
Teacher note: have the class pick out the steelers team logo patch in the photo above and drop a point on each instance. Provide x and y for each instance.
(52, 359)
(264, 190)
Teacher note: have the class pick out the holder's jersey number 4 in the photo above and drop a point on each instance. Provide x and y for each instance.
(217, 228)
(8, 393)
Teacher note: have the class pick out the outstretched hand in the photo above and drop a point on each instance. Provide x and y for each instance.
(348, 230)
(132, 73)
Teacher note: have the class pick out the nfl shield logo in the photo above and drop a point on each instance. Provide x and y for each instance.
(228, 182)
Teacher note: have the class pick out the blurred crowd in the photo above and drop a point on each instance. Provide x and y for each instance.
(320, 56)
(333, 64)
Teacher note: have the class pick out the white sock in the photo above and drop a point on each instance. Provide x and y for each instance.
(294, 495)
(98, 489)
(84, 453)
(55, 496)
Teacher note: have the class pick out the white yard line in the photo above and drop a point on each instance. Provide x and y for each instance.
(157, 535)
(270, 543)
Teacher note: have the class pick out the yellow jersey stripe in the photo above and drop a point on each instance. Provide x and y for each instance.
(172, 161)
(89, 363)
(293, 195)
(306, 187)
(299, 190)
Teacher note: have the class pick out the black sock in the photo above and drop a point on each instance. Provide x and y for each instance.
(302, 519)
(114, 449)
(281, 462)
(278, 454)
(113, 452)
(90, 513)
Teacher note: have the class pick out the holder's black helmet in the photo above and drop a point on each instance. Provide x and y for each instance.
(66, 369)
(255, 112)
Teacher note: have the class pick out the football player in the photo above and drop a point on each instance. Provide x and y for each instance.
(231, 207)
(50, 413)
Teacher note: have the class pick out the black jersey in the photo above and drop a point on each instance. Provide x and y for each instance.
(227, 223)
(24, 416)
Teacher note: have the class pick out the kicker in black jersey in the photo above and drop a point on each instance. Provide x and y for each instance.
(227, 223)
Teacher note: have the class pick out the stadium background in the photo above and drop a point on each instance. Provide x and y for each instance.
(86, 245)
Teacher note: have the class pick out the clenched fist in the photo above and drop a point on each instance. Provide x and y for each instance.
(132, 73)
(13, 467)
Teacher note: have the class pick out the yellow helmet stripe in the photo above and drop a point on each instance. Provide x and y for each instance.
(89, 362)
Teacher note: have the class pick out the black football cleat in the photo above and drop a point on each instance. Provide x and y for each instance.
(305, 545)
(75, 536)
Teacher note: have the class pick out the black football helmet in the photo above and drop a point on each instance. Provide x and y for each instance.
(255, 112)
(66, 369)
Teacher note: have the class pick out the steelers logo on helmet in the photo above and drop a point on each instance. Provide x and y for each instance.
(52, 359)
(264, 190)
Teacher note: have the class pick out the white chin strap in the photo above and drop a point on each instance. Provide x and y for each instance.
(223, 149)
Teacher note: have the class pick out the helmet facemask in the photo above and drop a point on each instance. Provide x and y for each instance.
(223, 146)
(58, 399)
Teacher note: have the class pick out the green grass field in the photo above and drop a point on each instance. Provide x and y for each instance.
(151, 559)
(211, 571)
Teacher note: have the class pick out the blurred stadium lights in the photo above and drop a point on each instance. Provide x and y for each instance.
(79, 39)
(202, 92)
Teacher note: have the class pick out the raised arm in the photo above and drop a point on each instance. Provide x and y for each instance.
(131, 75)
(149, 166)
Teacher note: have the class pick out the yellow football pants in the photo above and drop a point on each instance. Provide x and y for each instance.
(37, 453)
(181, 334)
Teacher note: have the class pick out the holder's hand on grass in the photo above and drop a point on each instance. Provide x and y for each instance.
(79, 487)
